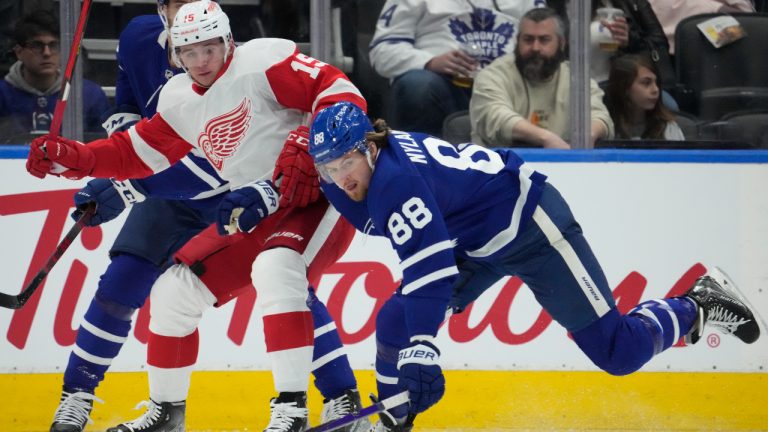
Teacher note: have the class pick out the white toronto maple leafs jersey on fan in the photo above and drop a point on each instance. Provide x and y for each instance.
(240, 123)
(410, 32)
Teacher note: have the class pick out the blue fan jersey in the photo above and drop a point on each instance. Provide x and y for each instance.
(142, 57)
(436, 202)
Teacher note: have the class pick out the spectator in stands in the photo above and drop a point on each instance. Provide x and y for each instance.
(671, 12)
(430, 50)
(637, 31)
(29, 91)
(633, 99)
(524, 99)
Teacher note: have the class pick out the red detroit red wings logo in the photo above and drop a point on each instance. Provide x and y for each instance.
(223, 134)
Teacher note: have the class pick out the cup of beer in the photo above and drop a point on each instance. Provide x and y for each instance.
(606, 41)
(473, 50)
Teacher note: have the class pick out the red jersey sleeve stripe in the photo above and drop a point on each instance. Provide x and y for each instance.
(154, 159)
(148, 147)
(300, 82)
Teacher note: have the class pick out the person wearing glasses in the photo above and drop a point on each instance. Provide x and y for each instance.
(29, 91)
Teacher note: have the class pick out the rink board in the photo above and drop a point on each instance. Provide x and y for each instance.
(474, 401)
(655, 220)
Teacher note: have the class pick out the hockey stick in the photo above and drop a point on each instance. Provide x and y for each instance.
(376, 408)
(61, 103)
(17, 301)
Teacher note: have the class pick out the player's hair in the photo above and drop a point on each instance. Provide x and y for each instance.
(624, 70)
(380, 133)
(35, 23)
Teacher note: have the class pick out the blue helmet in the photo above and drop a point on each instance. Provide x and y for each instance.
(160, 11)
(337, 130)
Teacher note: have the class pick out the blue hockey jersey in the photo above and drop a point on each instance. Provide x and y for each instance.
(434, 202)
(142, 57)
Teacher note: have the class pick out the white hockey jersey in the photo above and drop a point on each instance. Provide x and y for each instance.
(240, 123)
(410, 32)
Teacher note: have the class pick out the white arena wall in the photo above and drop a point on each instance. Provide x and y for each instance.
(656, 221)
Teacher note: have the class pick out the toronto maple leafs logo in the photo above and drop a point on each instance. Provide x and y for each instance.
(223, 134)
(483, 32)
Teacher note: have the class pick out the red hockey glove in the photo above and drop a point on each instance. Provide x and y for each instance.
(73, 160)
(295, 171)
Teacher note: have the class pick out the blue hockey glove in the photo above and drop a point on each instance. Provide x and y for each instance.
(243, 208)
(110, 196)
(120, 118)
(421, 375)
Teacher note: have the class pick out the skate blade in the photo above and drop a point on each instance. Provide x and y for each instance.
(733, 289)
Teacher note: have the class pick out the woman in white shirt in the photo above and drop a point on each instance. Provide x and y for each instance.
(633, 98)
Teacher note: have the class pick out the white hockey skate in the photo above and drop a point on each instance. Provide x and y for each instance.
(721, 306)
(74, 411)
(159, 417)
(289, 413)
(348, 403)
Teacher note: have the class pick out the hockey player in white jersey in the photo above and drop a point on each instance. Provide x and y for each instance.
(237, 105)
(460, 218)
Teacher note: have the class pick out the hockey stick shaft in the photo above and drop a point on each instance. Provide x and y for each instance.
(376, 408)
(17, 301)
(61, 103)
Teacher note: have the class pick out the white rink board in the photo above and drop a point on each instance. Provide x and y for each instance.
(654, 221)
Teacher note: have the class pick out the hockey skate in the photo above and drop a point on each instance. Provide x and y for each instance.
(162, 417)
(289, 413)
(348, 403)
(720, 305)
(73, 412)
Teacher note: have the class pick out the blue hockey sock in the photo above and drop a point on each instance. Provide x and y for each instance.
(621, 345)
(99, 340)
(387, 375)
(123, 288)
(330, 365)
(673, 317)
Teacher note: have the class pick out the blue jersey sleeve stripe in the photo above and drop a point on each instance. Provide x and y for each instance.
(212, 181)
(426, 253)
(504, 237)
(428, 279)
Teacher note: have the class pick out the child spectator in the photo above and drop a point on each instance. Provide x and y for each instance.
(633, 99)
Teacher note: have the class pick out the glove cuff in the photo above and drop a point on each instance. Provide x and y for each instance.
(130, 192)
(269, 195)
(419, 352)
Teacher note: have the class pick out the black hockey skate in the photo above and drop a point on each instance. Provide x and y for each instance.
(159, 417)
(388, 423)
(348, 403)
(720, 306)
(289, 413)
(73, 413)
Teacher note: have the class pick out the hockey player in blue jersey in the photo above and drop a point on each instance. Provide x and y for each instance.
(460, 218)
(166, 210)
